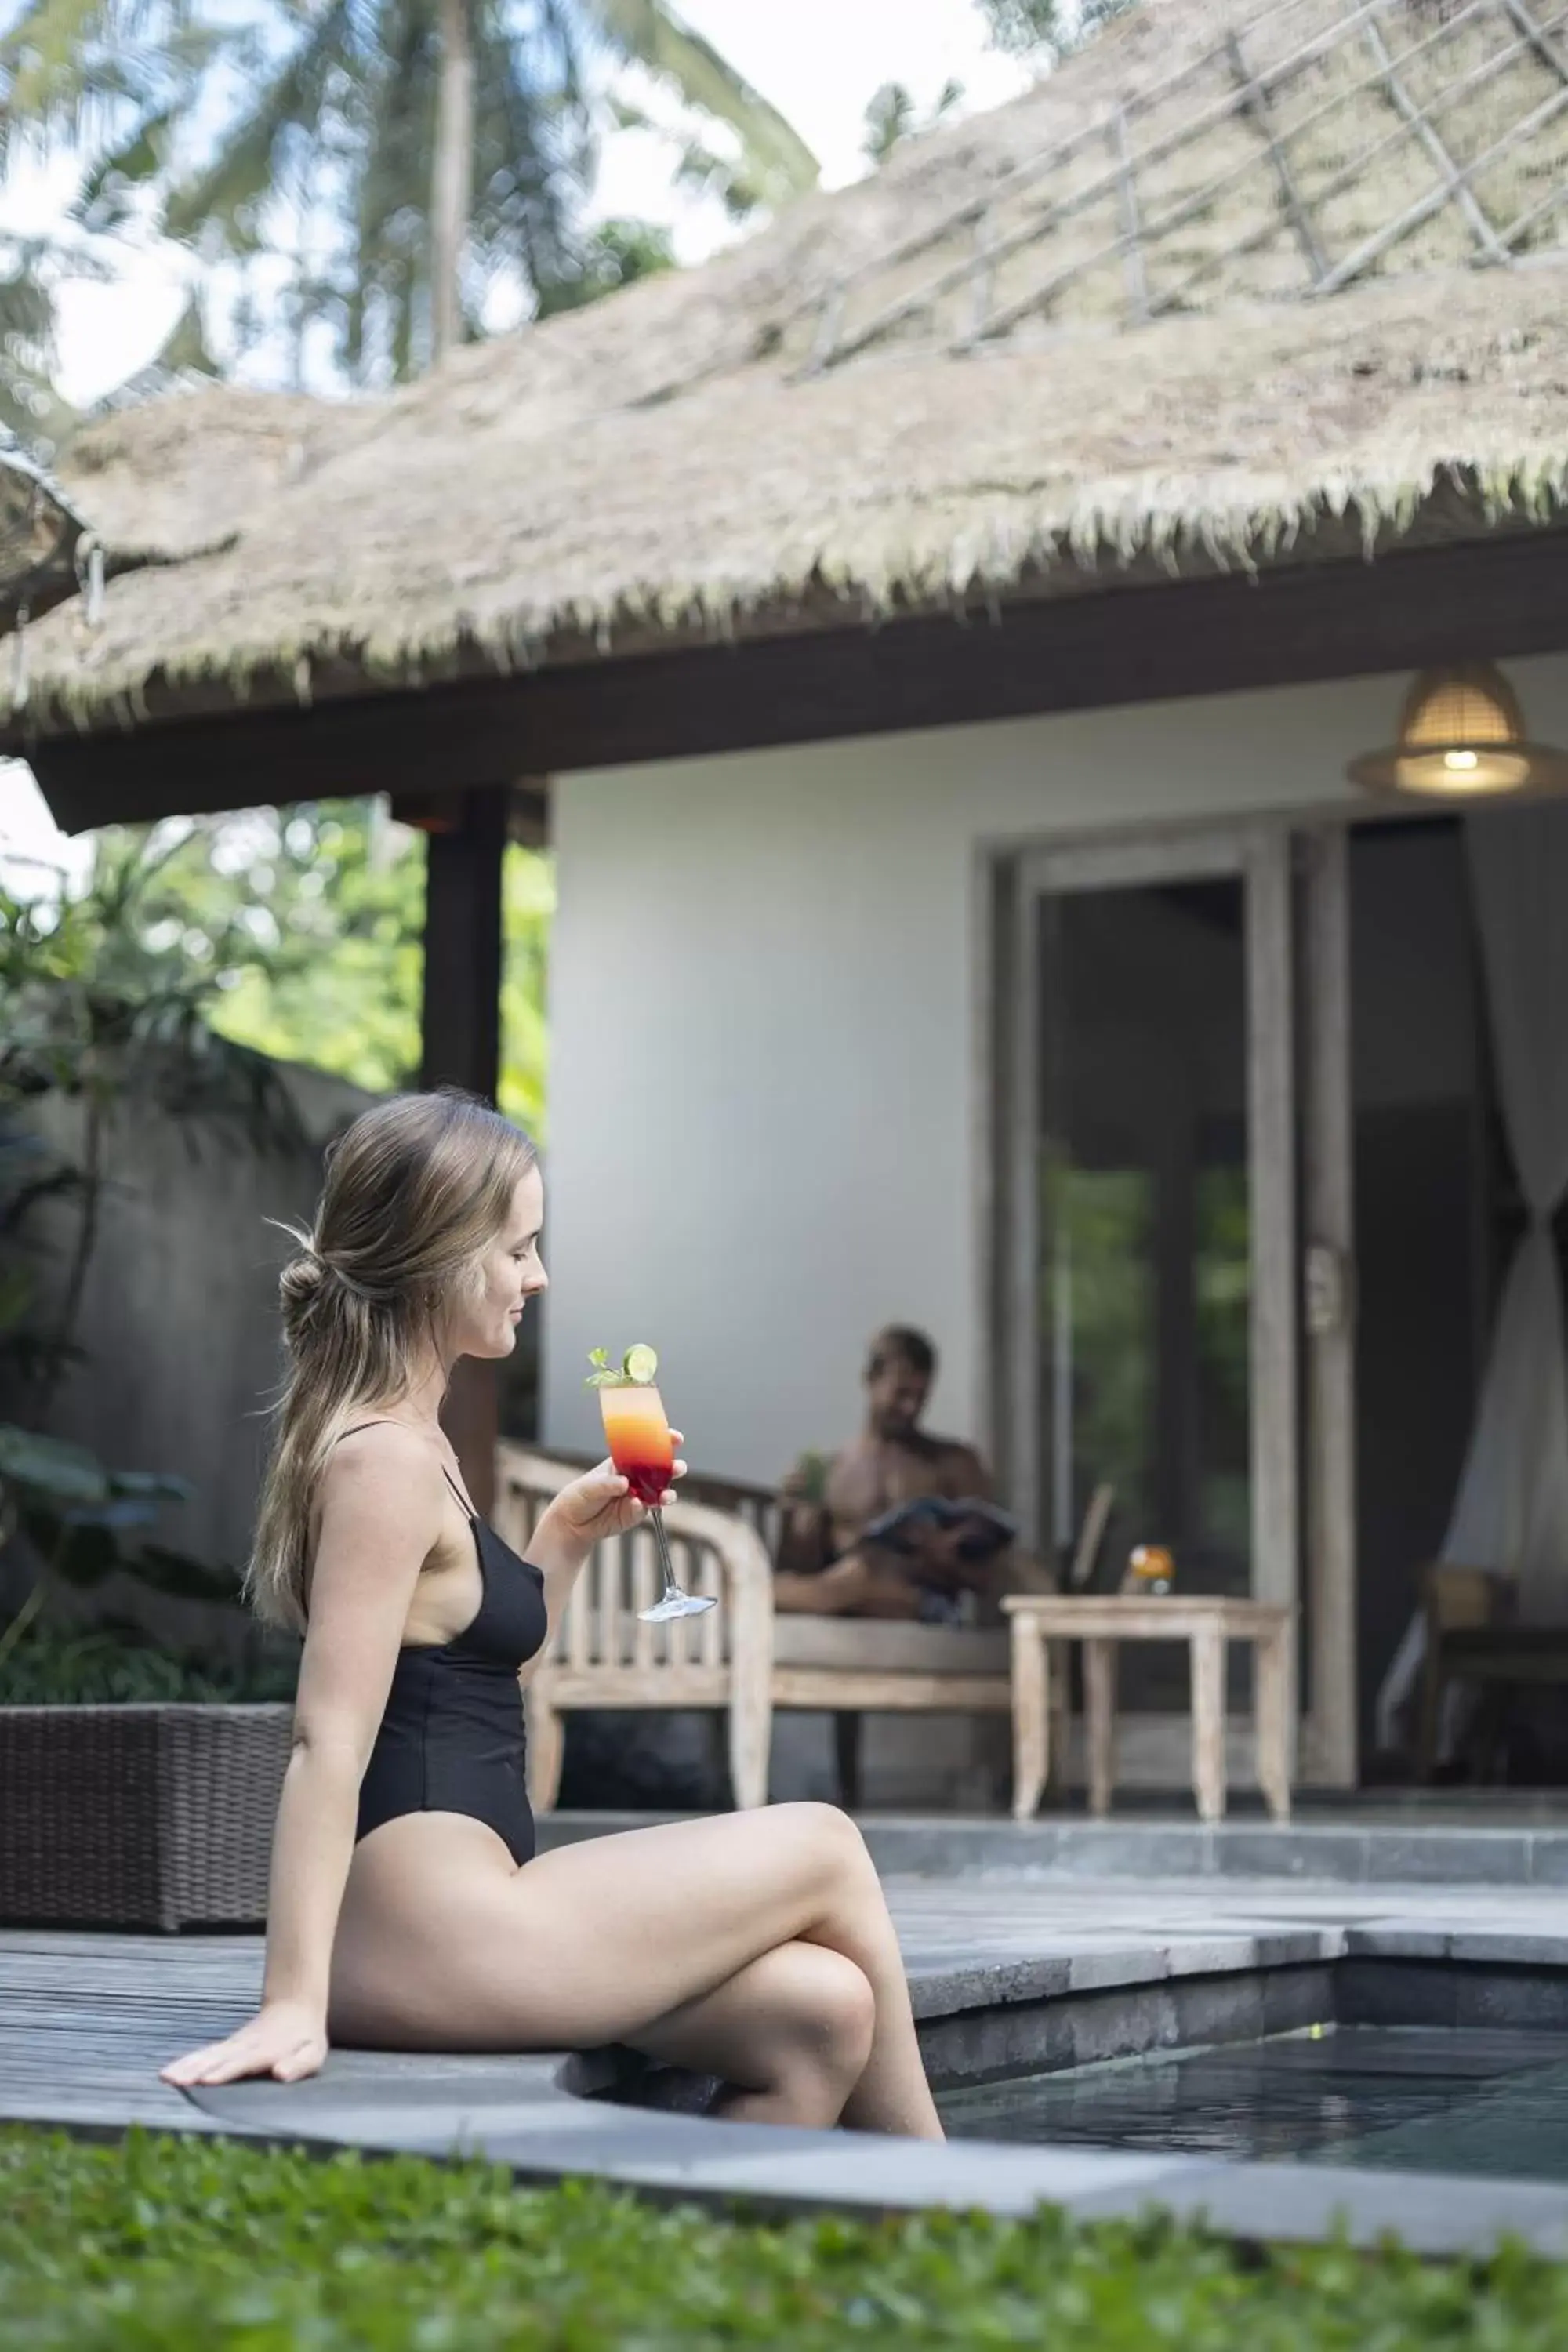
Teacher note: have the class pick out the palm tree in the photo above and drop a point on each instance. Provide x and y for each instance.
(75, 72)
(418, 151)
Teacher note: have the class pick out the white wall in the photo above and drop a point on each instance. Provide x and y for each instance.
(763, 1061)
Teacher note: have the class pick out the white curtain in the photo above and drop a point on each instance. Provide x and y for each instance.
(1511, 1514)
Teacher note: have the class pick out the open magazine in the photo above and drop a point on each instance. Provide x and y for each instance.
(986, 1529)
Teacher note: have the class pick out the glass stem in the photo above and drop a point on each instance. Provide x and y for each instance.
(665, 1564)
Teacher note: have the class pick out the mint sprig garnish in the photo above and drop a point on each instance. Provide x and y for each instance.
(636, 1369)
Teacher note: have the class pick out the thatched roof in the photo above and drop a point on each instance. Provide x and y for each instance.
(39, 533)
(174, 477)
(1202, 298)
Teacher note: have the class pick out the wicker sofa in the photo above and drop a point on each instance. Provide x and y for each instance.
(131, 1817)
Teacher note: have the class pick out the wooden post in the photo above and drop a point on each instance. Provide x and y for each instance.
(467, 834)
(1271, 1118)
(1330, 1204)
(1206, 1646)
(461, 1042)
(1031, 1715)
(1099, 1663)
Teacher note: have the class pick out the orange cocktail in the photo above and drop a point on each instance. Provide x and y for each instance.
(638, 1435)
(643, 1451)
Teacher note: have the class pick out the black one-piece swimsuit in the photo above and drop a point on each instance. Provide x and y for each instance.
(452, 1740)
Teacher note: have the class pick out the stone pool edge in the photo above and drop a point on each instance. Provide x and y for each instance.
(531, 2120)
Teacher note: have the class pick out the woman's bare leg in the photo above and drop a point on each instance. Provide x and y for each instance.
(442, 1945)
(790, 2034)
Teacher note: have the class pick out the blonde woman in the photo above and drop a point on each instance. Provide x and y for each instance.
(408, 1910)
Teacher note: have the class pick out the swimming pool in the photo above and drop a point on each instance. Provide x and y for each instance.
(1460, 2100)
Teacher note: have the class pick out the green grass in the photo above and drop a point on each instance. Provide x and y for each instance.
(175, 2244)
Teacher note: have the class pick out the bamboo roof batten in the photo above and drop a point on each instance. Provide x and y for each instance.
(1356, 170)
(1290, 194)
(1545, 49)
(1252, 86)
(1202, 199)
(1063, 152)
(1553, 202)
(1137, 280)
(1058, 213)
(1024, 175)
(980, 280)
(1374, 247)
(1486, 236)
(829, 311)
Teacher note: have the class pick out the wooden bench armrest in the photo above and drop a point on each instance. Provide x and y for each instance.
(526, 1483)
(525, 1479)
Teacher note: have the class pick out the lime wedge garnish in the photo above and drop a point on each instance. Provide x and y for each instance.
(641, 1366)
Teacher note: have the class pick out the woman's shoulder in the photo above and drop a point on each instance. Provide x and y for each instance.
(386, 1451)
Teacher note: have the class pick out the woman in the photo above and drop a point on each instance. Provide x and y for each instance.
(407, 1908)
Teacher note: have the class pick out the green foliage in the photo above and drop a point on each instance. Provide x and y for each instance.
(1042, 31)
(892, 116)
(97, 1007)
(307, 133)
(107, 77)
(29, 405)
(79, 1516)
(196, 2245)
(528, 908)
(775, 160)
(303, 929)
(335, 152)
(617, 254)
(107, 1666)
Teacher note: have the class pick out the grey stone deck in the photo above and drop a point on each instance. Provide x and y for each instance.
(1491, 1840)
(85, 2022)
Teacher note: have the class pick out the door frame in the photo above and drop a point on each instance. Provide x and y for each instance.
(1299, 1179)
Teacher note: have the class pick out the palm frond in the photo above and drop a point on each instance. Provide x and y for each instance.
(650, 34)
(83, 71)
(228, 195)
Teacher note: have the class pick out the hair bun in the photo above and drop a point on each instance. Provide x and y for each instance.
(301, 1284)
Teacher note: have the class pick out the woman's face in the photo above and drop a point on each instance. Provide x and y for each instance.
(510, 1274)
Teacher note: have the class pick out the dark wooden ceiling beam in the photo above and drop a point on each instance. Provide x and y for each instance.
(1499, 597)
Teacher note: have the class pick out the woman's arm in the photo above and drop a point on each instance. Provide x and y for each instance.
(381, 1516)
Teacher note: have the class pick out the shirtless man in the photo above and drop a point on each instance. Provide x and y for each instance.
(825, 1569)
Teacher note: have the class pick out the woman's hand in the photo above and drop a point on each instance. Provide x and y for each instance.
(601, 1504)
(285, 2039)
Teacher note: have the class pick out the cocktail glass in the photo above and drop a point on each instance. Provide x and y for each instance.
(643, 1451)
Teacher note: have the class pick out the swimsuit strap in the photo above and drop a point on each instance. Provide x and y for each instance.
(387, 1421)
(468, 1511)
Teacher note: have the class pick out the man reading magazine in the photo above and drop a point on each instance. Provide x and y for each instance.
(898, 1523)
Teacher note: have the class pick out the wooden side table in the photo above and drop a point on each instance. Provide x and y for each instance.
(1205, 1623)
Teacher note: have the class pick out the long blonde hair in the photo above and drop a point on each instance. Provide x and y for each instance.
(416, 1191)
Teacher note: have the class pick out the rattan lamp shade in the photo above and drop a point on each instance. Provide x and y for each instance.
(1461, 736)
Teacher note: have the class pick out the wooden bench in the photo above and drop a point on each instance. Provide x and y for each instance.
(741, 1661)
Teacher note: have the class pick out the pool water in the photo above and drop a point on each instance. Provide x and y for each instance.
(1403, 2098)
